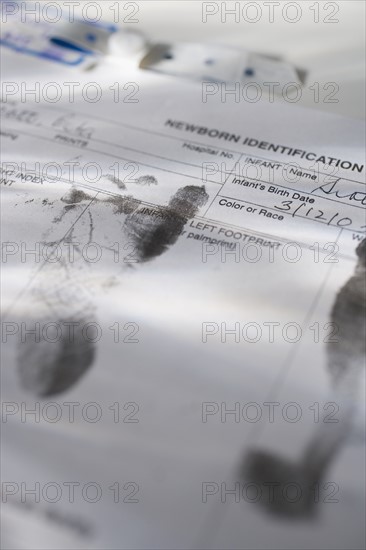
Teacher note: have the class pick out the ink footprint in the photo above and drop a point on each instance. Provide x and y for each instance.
(51, 367)
(154, 230)
(346, 362)
(60, 350)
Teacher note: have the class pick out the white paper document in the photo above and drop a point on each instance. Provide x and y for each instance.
(183, 315)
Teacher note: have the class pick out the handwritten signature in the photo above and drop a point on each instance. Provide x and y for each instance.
(333, 188)
(69, 123)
